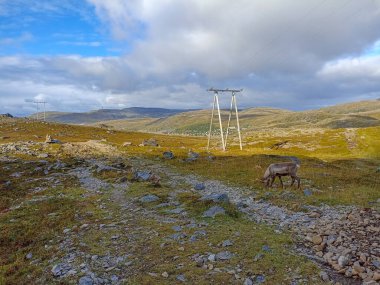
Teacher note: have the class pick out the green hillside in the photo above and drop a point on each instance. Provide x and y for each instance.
(352, 115)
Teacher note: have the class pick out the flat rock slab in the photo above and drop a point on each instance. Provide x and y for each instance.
(176, 211)
(216, 198)
(149, 198)
(199, 186)
(224, 255)
(142, 175)
(85, 280)
(213, 211)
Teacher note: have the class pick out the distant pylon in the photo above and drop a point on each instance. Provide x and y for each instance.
(38, 105)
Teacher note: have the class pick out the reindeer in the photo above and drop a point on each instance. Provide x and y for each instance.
(281, 169)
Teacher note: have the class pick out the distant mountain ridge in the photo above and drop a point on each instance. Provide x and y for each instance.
(350, 115)
(109, 114)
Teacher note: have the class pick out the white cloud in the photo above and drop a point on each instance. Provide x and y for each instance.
(15, 41)
(283, 53)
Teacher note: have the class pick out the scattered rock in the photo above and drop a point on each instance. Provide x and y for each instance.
(149, 198)
(199, 186)
(49, 139)
(324, 276)
(343, 261)
(29, 256)
(60, 269)
(258, 257)
(65, 231)
(150, 142)
(177, 228)
(176, 211)
(85, 280)
(317, 239)
(181, 278)
(168, 155)
(213, 211)
(376, 263)
(224, 255)
(43, 155)
(216, 198)
(260, 279)
(227, 243)
(142, 175)
(165, 274)
(307, 192)
(248, 281)
(192, 156)
(127, 144)
(266, 248)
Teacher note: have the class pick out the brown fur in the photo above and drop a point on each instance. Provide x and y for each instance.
(281, 169)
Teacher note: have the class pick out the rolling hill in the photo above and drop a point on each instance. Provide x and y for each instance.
(108, 114)
(351, 115)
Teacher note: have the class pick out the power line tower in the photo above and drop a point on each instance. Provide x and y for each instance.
(233, 107)
(38, 108)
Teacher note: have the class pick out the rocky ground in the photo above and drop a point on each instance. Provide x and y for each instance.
(120, 241)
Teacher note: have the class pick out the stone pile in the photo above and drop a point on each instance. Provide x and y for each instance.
(350, 245)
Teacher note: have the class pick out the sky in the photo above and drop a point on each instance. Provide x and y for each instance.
(81, 55)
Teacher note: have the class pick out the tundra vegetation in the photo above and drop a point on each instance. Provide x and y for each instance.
(82, 211)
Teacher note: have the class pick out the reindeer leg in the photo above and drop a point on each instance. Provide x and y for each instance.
(299, 182)
(293, 180)
(272, 180)
(282, 184)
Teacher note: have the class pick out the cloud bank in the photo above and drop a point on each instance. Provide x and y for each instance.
(283, 53)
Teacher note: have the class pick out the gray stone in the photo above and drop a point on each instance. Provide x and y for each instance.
(258, 257)
(307, 192)
(199, 186)
(142, 175)
(85, 280)
(224, 255)
(227, 243)
(324, 276)
(29, 255)
(149, 198)
(177, 228)
(168, 155)
(176, 211)
(43, 155)
(192, 156)
(260, 279)
(150, 142)
(177, 236)
(213, 211)
(266, 248)
(216, 198)
(181, 278)
(343, 261)
(248, 281)
(60, 269)
(376, 263)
